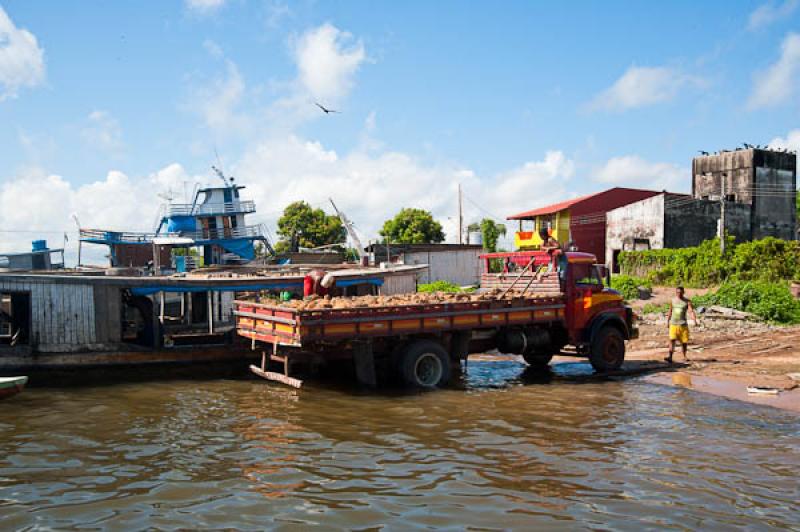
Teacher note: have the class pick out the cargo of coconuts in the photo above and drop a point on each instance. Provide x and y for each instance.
(399, 300)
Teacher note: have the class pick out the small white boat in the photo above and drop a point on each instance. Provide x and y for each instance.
(11, 386)
(762, 391)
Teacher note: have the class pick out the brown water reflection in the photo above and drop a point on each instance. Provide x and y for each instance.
(500, 453)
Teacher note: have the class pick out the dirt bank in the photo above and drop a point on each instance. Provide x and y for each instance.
(726, 356)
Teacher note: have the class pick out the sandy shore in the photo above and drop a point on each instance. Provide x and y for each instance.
(726, 357)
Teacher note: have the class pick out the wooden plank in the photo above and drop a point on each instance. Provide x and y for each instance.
(87, 314)
(277, 377)
(101, 315)
(70, 300)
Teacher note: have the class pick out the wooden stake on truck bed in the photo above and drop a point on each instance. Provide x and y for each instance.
(527, 266)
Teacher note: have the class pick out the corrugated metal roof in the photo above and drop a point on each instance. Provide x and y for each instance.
(563, 205)
(551, 209)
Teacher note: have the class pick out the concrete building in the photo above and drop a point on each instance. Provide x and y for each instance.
(455, 263)
(757, 186)
(581, 220)
(670, 221)
(764, 180)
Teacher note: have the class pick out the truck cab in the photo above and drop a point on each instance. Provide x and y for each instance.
(596, 320)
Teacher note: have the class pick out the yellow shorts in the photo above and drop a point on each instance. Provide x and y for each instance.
(679, 333)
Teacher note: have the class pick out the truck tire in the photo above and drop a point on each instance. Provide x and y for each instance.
(538, 361)
(607, 351)
(424, 364)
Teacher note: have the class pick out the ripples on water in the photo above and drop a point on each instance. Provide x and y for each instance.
(501, 453)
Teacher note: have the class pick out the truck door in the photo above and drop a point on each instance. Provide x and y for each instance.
(587, 282)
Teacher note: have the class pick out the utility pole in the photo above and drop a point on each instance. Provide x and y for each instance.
(722, 215)
(460, 217)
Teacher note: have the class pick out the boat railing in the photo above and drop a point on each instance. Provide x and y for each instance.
(218, 233)
(103, 235)
(211, 209)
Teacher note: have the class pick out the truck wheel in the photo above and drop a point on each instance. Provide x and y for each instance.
(425, 364)
(537, 360)
(608, 349)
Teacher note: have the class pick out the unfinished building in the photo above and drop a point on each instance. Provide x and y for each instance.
(764, 180)
(757, 188)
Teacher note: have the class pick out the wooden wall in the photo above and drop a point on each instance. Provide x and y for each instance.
(399, 284)
(62, 315)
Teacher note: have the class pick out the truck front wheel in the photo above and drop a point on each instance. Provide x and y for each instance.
(607, 350)
(425, 364)
(538, 361)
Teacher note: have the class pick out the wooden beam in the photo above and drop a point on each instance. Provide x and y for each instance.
(277, 377)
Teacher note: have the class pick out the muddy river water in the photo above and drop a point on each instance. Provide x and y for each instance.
(502, 452)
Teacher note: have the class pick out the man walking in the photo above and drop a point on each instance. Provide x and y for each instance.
(678, 325)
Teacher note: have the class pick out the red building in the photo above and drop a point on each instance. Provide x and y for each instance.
(580, 220)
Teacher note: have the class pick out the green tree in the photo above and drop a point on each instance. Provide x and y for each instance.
(797, 204)
(412, 226)
(491, 232)
(308, 227)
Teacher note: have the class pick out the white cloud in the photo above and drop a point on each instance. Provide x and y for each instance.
(371, 186)
(643, 86)
(276, 11)
(327, 59)
(766, 14)
(103, 132)
(37, 204)
(632, 170)
(790, 142)
(218, 101)
(21, 58)
(204, 6)
(777, 84)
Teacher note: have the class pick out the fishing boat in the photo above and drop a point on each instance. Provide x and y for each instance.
(11, 386)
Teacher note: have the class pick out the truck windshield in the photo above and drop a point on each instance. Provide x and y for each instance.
(587, 274)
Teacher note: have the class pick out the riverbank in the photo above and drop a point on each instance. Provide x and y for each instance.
(726, 356)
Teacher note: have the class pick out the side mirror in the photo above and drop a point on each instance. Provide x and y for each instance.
(604, 273)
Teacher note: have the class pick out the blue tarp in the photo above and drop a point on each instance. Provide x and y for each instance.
(243, 248)
(154, 289)
(353, 282)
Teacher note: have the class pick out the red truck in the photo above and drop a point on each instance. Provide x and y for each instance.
(565, 302)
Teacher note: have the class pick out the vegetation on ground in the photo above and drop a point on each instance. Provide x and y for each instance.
(771, 301)
(412, 226)
(767, 260)
(628, 285)
(653, 308)
(442, 286)
(304, 226)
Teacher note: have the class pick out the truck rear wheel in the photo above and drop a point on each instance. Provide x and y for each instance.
(425, 364)
(608, 349)
(537, 360)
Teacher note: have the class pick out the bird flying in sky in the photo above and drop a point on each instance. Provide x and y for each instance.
(325, 109)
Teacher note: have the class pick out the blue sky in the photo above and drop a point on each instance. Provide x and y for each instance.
(104, 105)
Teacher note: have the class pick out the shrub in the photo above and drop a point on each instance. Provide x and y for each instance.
(769, 300)
(442, 286)
(769, 259)
(628, 286)
(652, 308)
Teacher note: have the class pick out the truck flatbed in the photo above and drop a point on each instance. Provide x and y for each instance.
(288, 326)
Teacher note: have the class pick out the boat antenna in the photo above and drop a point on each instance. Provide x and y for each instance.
(227, 180)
